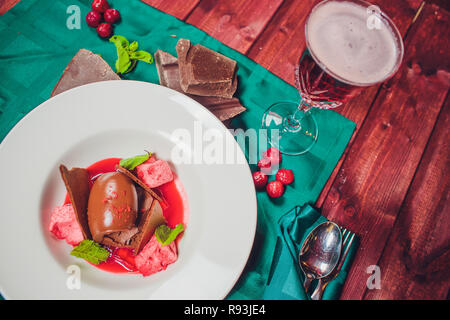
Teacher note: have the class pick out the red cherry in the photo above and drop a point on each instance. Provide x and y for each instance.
(285, 176)
(273, 154)
(275, 189)
(260, 179)
(100, 5)
(105, 30)
(93, 19)
(112, 15)
(264, 163)
(265, 166)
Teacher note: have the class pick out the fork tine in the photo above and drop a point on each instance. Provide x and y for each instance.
(347, 249)
(344, 231)
(347, 235)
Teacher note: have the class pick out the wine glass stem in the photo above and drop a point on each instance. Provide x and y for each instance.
(293, 122)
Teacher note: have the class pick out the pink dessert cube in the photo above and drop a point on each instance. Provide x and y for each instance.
(155, 257)
(64, 225)
(154, 173)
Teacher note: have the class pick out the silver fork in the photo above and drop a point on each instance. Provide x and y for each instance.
(346, 243)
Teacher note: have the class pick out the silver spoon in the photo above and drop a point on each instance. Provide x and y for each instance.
(320, 252)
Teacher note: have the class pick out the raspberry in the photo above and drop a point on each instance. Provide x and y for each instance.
(104, 30)
(260, 179)
(112, 15)
(285, 176)
(100, 5)
(274, 155)
(275, 189)
(93, 18)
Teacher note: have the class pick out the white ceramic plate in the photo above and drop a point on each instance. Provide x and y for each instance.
(119, 119)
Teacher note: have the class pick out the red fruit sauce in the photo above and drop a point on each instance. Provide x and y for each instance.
(175, 210)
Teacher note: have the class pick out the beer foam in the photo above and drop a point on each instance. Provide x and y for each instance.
(341, 39)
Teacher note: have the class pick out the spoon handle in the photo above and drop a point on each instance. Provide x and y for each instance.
(317, 294)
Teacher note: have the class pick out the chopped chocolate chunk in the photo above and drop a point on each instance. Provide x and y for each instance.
(205, 72)
(85, 67)
(76, 181)
(222, 108)
(168, 70)
(150, 220)
(145, 200)
(169, 76)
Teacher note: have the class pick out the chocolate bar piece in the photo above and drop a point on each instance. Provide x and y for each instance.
(205, 72)
(130, 175)
(77, 185)
(150, 220)
(85, 67)
(222, 108)
(168, 70)
(169, 76)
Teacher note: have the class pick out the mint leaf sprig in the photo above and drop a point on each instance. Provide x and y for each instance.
(165, 235)
(127, 54)
(133, 162)
(90, 251)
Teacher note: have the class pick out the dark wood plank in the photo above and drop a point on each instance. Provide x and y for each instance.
(403, 13)
(178, 8)
(234, 22)
(416, 260)
(444, 4)
(283, 41)
(374, 178)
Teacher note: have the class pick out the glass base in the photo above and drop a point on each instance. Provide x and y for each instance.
(290, 130)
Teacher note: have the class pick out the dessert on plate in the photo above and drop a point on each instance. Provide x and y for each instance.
(122, 215)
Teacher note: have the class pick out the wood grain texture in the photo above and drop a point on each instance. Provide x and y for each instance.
(416, 261)
(444, 4)
(178, 8)
(280, 46)
(234, 22)
(403, 14)
(373, 181)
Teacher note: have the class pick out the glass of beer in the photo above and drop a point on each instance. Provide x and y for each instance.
(351, 45)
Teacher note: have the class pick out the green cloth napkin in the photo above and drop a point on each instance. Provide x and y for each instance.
(286, 278)
(37, 45)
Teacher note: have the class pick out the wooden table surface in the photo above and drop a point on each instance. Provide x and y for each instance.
(391, 186)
